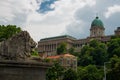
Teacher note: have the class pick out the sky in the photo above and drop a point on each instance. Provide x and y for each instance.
(49, 18)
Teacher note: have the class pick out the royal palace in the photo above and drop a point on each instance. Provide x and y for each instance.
(49, 46)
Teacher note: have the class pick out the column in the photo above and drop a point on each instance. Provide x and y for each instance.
(50, 48)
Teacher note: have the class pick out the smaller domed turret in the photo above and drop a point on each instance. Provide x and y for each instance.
(97, 28)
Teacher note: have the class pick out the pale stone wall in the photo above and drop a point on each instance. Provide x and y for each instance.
(96, 31)
(49, 47)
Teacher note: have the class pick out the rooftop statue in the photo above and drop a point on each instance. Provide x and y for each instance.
(18, 47)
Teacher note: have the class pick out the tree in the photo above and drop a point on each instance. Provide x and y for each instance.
(114, 70)
(94, 53)
(55, 72)
(99, 55)
(71, 50)
(94, 43)
(8, 31)
(90, 72)
(85, 60)
(114, 47)
(85, 57)
(62, 48)
(70, 75)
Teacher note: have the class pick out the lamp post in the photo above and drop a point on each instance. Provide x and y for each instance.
(105, 69)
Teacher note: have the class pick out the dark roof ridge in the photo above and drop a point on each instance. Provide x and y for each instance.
(57, 37)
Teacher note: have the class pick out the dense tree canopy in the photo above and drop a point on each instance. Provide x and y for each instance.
(94, 53)
(70, 75)
(97, 53)
(62, 48)
(90, 72)
(114, 47)
(55, 72)
(114, 69)
(71, 50)
(8, 31)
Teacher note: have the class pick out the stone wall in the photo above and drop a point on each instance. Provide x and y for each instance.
(12, 70)
(16, 62)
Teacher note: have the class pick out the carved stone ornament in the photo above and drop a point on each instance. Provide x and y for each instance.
(18, 47)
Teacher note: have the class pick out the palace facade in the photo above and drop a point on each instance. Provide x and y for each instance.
(48, 46)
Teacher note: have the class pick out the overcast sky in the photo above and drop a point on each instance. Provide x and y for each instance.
(49, 18)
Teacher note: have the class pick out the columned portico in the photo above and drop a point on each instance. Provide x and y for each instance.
(49, 46)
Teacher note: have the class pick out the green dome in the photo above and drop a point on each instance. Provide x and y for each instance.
(97, 23)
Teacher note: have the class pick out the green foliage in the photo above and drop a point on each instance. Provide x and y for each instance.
(46, 60)
(8, 31)
(34, 53)
(70, 75)
(85, 60)
(115, 36)
(99, 56)
(55, 72)
(90, 72)
(114, 70)
(114, 47)
(71, 50)
(94, 53)
(62, 48)
(93, 43)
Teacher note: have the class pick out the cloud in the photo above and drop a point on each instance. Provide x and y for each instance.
(6, 13)
(15, 11)
(79, 27)
(112, 10)
(54, 22)
(111, 23)
(72, 17)
(87, 14)
(76, 29)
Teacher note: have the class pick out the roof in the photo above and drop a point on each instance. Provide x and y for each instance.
(53, 57)
(118, 28)
(68, 55)
(97, 23)
(62, 55)
(58, 37)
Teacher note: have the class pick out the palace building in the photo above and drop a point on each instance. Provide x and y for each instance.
(48, 46)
